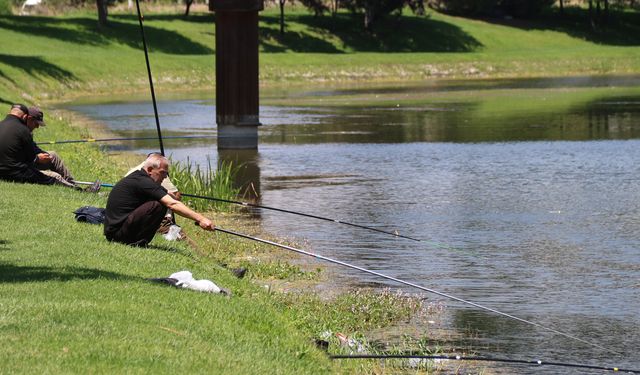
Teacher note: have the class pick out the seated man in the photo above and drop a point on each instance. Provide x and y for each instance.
(137, 204)
(48, 162)
(172, 190)
(18, 158)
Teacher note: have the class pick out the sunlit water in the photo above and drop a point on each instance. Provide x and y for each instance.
(525, 195)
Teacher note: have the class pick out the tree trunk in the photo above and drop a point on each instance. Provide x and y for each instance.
(368, 18)
(188, 3)
(335, 5)
(281, 2)
(102, 13)
(561, 7)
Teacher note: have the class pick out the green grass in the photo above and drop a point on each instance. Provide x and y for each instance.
(75, 303)
(68, 57)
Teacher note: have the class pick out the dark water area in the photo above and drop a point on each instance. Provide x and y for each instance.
(525, 194)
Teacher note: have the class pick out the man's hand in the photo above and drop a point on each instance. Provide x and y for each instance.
(44, 158)
(206, 224)
(176, 195)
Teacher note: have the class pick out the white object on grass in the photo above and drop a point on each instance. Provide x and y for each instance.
(186, 280)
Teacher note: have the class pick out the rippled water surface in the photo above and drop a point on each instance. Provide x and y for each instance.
(525, 195)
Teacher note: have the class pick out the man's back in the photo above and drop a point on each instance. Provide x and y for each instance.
(16, 146)
(127, 195)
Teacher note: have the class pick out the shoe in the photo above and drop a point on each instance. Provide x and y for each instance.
(94, 188)
(239, 272)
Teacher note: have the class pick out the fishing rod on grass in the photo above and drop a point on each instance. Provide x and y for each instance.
(433, 291)
(96, 140)
(485, 359)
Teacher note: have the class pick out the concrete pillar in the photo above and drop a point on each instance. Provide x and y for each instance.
(237, 92)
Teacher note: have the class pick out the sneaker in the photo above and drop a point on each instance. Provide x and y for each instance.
(94, 188)
(239, 272)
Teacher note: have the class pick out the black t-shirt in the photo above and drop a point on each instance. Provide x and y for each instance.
(16, 146)
(130, 193)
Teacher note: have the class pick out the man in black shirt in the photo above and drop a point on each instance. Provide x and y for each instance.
(19, 158)
(137, 204)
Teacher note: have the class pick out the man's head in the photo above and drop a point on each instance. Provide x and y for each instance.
(35, 118)
(156, 166)
(20, 111)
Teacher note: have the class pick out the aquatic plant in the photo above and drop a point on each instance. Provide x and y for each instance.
(206, 181)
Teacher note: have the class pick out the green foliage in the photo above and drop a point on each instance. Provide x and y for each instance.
(514, 8)
(206, 181)
(5, 6)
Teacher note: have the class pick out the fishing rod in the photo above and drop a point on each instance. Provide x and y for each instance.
(94, 140)
(433, 291)
(285, 211)
(153, 94)
(484, 359)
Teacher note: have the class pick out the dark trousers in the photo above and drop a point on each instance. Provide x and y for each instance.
(29, 175)
(141, 225)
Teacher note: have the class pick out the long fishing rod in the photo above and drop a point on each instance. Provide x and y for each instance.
(484, 359)
(330, 260)
(282, 210)
(94, 140)
(153, 94)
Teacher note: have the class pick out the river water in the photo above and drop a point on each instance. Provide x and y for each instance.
(525, 194)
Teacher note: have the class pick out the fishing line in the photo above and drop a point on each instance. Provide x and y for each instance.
(153, 94)
(95, 140)
(483, 359)
(330, 260)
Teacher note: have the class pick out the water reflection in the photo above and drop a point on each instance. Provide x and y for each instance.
(525, 194)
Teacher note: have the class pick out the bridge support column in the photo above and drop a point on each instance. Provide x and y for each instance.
(237, 91)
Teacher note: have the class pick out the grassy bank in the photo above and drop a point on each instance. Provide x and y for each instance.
(52, 58)
(73, 303)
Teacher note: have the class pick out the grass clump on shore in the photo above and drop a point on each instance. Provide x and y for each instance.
(205, 181)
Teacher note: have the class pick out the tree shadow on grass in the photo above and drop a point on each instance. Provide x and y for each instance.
(18, 274)
(621, 29)
(192, 18)
(390, 34)
(34, 66)
(84, 31)
(272, 41)
(4, 101)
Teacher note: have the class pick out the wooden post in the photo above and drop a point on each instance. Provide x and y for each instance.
(237, 92)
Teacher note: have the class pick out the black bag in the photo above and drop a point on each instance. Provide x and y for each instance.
(88, 214)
